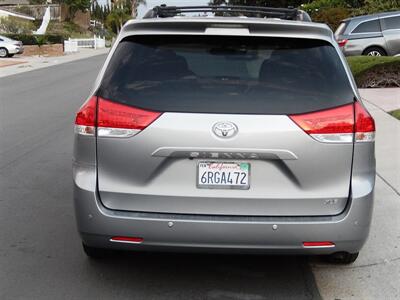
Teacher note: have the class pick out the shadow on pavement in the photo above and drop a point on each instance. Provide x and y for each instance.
(206, 276)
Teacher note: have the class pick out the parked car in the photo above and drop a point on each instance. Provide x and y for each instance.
(373, 35)
(9, 47)
(229, 134)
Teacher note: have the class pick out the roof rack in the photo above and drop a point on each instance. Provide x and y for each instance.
(289, 13)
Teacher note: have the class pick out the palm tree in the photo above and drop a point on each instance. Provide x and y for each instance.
(135, 4)
(120, 13)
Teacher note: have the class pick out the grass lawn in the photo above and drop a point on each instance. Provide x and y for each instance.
(360, 64)
(374, 68)
(396, 113)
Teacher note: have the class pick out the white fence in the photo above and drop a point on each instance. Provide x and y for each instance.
(72, 45)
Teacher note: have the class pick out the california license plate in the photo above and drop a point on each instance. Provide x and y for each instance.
(223, 175)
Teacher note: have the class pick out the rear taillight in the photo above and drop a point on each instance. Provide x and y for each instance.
(112, 119)
(365, 124)
(342, 42)
(85, 121)
(337, 125)
(334, 125)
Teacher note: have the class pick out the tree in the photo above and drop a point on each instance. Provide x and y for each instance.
(35, 2)
(135, 4)
(75, 5)
(374, 6)
(40, 41)
(317, 5)
(120, 13)
(332, 16)
(275, 3)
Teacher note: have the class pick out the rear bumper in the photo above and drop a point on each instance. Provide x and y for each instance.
(352, 50)
(97, 225)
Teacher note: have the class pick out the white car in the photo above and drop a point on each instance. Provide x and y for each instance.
(9, 47)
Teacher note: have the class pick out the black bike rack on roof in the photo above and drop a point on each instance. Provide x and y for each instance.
(289, 13)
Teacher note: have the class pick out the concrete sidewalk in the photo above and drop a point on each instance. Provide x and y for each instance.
(376, 273)
(35, 62)
(387, 99)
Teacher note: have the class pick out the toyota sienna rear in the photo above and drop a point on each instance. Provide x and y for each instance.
(224, 134)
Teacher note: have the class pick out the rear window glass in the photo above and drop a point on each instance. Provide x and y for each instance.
(370, 26)
(341, 28)
(391, 23)
(213, 74)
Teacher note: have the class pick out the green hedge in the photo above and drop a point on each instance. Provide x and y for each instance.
(30, 39)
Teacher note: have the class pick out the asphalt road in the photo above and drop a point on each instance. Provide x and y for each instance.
(40, 250)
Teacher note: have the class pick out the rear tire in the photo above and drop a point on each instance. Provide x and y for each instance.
(374, 51)
(3, 52)
(342, 258)
(95, 253)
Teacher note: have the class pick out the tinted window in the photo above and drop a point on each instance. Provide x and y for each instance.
(249, 75)
(391, 23)
(370, 26)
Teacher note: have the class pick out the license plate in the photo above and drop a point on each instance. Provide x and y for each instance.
(223, 175)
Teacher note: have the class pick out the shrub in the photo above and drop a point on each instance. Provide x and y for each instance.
(15, 25)
(317, 5)
(332, 16)
(374, 6)
(30, 39)
(23, 9)
(67, 29)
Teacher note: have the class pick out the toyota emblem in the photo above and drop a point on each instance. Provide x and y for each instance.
(225, 129)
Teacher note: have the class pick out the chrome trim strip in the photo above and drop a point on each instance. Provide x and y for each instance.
(224, 153)
(125, 242)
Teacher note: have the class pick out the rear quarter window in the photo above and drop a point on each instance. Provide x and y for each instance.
(213, 74)
(368, 27)
(389, 23)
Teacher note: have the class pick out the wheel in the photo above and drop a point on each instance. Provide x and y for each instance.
(10, 55)
(374, 51)
(95, 253)
(343, 258)
(3, 52)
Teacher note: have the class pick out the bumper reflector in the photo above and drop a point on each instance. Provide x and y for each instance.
(318, 244)
(126, 240)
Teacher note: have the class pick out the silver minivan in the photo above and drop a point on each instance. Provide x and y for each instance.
(228, 134)
(373, 35)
